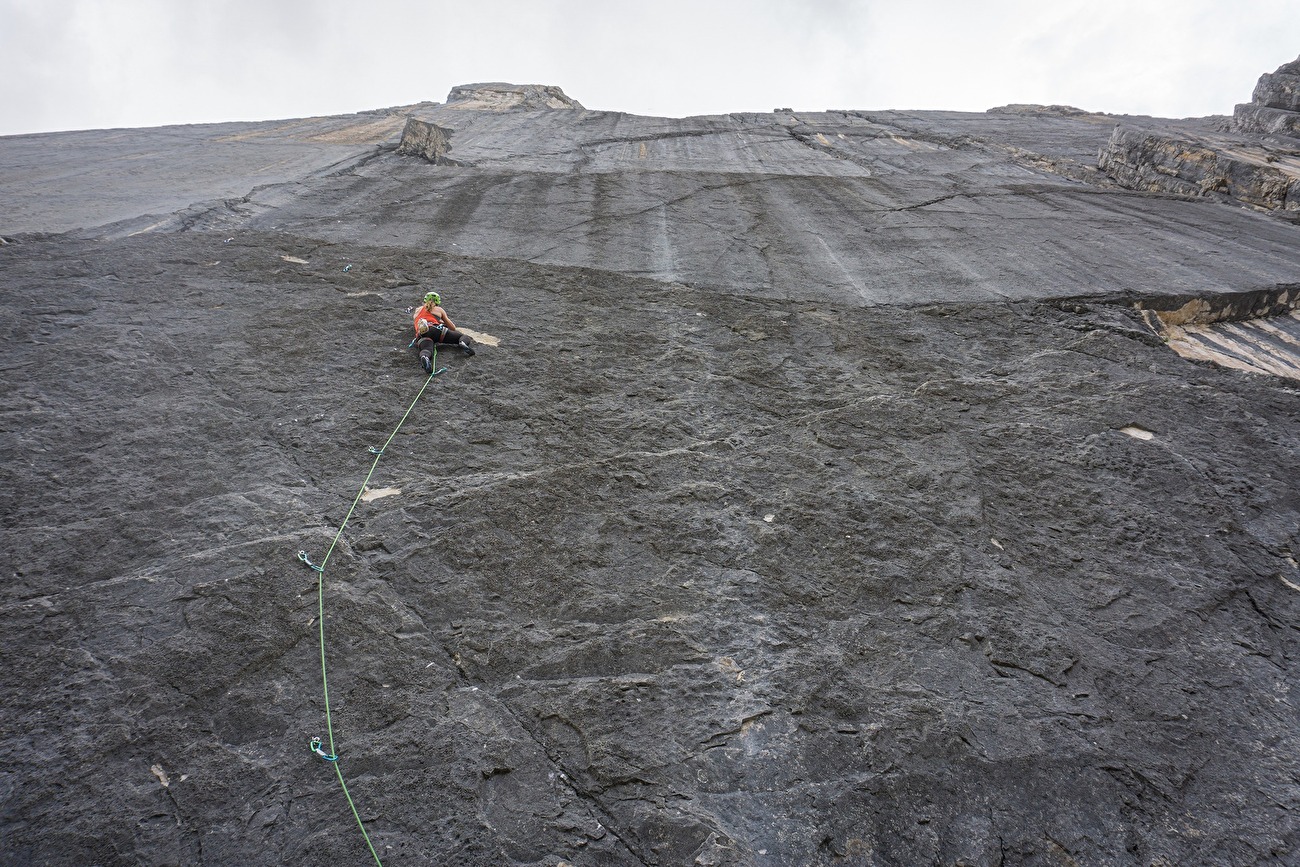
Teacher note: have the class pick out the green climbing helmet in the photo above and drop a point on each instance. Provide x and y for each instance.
(434, 297)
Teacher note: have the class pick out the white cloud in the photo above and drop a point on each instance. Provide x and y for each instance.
(96, 63)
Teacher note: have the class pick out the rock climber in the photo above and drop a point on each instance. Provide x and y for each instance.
(434, 326)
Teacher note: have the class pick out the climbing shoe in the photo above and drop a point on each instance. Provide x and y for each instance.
(467, 346)
(427, 363)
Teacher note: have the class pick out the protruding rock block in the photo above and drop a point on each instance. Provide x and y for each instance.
(1280, 89)
(422, 138)
(500, 96)
(1143, 160)
(1274, 108)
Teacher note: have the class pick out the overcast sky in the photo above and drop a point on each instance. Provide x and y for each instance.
(89, 64)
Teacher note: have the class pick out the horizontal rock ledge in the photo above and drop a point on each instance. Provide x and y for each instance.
(1142, 159)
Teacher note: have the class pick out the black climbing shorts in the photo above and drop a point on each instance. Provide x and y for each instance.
(432, 336)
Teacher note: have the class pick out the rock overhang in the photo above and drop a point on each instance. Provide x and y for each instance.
(1257, 332)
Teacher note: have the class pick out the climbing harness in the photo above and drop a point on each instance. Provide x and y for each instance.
(317, 745)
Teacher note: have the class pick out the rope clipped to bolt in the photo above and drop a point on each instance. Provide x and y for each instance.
(316, 744)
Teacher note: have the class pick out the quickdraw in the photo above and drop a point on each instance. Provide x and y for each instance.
(318, 750)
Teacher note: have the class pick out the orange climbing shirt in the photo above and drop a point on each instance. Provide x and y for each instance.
(425, 315)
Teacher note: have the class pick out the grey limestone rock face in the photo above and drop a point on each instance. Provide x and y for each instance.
(1148, 160)
(1038, 110)
(1274, 108)
(428, 140)
(1280, 89)
(1270, 121)
(1245, 162)
(56, 182)
(824, 491)
(499, 96)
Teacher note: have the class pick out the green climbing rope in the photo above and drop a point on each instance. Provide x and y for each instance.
(333, 757)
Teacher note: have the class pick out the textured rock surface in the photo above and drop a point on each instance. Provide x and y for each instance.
(53, 182)
(879, 208)
(1262, 119)
(1142, 159)
(1032, 110)
(1255, 331)
(499, 96)
(1275, 105)
(825, 502)
(1202, 159)
(428, 140)
(1280, 89)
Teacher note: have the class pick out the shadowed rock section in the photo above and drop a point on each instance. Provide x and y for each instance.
(428, 140)
(1257, 332)
(823, 492)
